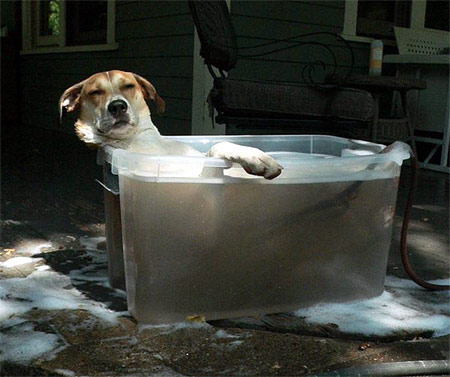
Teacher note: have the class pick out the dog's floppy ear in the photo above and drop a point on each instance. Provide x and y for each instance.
(150, 93)
(69, 101)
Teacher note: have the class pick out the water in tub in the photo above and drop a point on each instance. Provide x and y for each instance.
(228, 249)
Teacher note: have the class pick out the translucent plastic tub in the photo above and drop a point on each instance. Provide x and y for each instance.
(202, 237)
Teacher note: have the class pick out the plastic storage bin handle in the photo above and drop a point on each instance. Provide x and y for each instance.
(399, 151)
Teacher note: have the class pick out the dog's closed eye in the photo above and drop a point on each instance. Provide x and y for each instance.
(96, 92)
(129, 86)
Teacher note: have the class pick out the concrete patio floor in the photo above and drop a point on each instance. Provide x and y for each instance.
(49, 196)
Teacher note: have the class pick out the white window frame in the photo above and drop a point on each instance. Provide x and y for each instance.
(417, 21)
(33, 43)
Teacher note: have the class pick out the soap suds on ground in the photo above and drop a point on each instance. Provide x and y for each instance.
(43, 289)
(402, 307)
(24, 343)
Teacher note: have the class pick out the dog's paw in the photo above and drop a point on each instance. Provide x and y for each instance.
(253, 160)
(260, 163)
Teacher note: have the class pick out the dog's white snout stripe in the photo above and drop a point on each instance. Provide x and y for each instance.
(109, 80)
(116, 96)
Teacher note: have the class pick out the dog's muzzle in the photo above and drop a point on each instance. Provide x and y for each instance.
(118, 121)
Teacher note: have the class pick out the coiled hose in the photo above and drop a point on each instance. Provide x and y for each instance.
(406, 368)
(403, 239)
(403, 368)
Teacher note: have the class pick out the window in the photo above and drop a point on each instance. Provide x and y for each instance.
(437, 15)
(68, 25)
(368, 19)
(86, 22)
(376, 19)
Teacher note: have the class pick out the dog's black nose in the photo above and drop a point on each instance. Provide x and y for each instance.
(117, 107)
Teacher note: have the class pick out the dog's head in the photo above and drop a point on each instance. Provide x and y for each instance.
(111, 105)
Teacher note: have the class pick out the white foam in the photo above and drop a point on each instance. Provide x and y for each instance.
(17, 261)
(44, 267)
(44, 289)
(173, 327)
(32, 247)
(227, 346)
(47, 290)
(233, 340)
(224, 335)
(65, 372)
(402, 307)
(27, 345)
(13, 222)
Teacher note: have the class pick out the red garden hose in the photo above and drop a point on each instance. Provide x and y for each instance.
(403, 240)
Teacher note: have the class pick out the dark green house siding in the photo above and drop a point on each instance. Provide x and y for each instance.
(155, 40)
(256, 22)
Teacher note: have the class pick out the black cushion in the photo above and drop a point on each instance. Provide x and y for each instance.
(282, 100)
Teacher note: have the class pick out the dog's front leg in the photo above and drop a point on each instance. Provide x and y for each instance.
(253, 160)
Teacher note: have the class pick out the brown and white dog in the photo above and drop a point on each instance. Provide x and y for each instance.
(113, 112)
